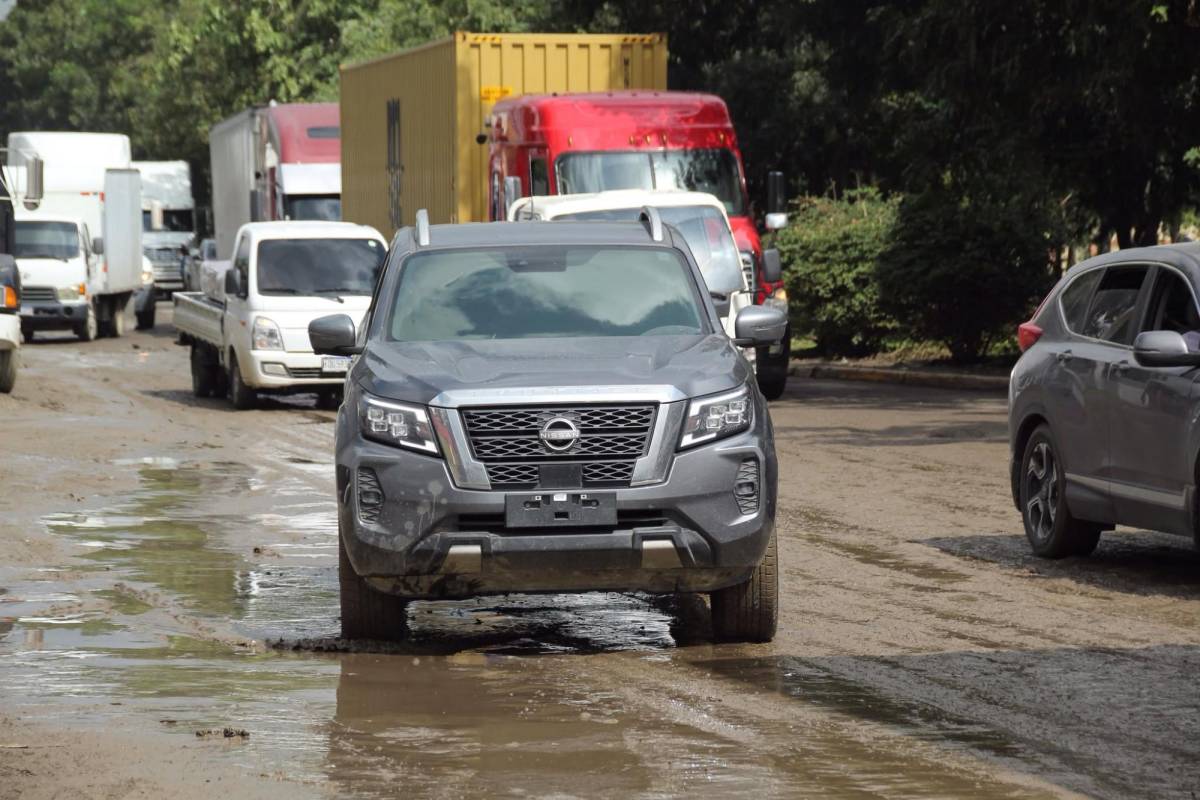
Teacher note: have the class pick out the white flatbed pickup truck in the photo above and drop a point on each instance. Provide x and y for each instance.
(248, 329)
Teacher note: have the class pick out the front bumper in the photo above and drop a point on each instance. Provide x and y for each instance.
(10, 332)
(433, 539)
(52, 314)
(262, 369)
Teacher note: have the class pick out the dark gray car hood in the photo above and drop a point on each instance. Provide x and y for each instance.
(419, 371)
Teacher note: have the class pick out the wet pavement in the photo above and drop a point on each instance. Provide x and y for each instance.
(181, 580)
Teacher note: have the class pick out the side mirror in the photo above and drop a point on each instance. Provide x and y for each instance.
(98, 245)
(759, 326)
(333, 336)
(772, 266)
(776, 201)
(1163, 349)
(233, 283)
(35, 182)
(512, 191)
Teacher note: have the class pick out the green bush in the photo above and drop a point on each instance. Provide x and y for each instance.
(829, 252)
(964, 269)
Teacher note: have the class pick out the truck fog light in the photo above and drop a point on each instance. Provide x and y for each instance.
(370, 495)
(272, 368)
(745, 486)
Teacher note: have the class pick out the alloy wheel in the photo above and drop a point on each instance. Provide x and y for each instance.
(1041, 491)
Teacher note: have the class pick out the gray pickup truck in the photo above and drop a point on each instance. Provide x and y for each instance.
(551, 407)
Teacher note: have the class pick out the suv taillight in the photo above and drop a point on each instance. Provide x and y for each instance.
(1027, 335)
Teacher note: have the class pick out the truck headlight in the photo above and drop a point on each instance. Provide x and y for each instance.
(147, 277)
(717, 416)
(396, 424)
(777, 299)
(68, 293)
(265, 335)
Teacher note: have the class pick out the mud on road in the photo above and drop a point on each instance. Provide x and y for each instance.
(168, 572)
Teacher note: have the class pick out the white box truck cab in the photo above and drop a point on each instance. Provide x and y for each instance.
(79, 250)
(168, 220)
(275, 162)
(699, 216)
(248, 330)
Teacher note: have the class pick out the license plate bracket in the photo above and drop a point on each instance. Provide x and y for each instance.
(560, 510)
(335, 364)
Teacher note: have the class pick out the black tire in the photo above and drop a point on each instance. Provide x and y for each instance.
(240, 395)
(89, 329)
(749, 612)
(8, 370)
(27, 333)
(366, 613)
(772, 370)
(205, 372)
(116, 322)
(1049, 526)
(145, 318)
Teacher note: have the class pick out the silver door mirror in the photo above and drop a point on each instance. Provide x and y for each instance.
(759, 326)
(98, 245)
(1163, 349)
(35, 182)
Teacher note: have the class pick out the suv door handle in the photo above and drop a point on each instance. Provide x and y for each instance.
(1063, 356)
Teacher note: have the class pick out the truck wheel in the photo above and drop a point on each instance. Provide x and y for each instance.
(772, 370)
(366, 613)
(145, 318)
(116, 322)
(749, 612)
(8, 370)
(27, 333)
(241, 395)
(204, 372)
(89, 329)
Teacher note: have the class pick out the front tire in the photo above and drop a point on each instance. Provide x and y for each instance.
(772, 370)
(1049, 526)
(240, 395)
(145, 318)
(749, 612)
(366, 613)
(8, 370)
(205, 372)
(89, 329)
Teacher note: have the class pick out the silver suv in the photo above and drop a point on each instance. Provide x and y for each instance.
(1104, 405)
(551, 407)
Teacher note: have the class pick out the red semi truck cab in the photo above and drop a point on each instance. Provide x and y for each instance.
(594, 142)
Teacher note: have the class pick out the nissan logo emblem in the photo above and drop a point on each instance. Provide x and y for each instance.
(559, 434)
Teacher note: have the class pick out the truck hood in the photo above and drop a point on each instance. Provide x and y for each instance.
(417, 372)
(52, 272)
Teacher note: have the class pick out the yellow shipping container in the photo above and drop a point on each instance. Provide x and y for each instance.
(410, 121)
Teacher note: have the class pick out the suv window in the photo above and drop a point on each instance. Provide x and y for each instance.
(1110, 315)
(1075, 299)
(1174, 308)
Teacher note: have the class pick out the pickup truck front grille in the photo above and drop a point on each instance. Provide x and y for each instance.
(38, 294)
(599, 444)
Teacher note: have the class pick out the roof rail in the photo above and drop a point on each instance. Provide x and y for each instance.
(650, 214)
(422, 228)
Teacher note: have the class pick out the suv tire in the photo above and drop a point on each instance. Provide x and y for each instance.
(366, 613)
(1049, 526)
(772, 370)
(749, 612)
(240, 395)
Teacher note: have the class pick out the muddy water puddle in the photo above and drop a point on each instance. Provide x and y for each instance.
(208, 598)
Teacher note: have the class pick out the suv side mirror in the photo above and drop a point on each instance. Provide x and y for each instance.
(98, 245)
(1163, 349)
(333, 336)
(759, 326)
(772, 266)
(776, 201)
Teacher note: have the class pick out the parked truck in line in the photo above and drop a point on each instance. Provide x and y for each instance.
(80, 250)
(248, 327)
(275, 162)
(168, 220)
(413, 123)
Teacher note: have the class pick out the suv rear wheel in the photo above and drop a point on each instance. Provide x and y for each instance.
(1051, 529)
(366, 613)
(749, 612)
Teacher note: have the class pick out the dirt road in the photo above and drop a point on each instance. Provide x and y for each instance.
(167, 573)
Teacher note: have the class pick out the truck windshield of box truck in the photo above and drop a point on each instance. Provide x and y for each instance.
(313, 207)
(712, 170)
(46, 240)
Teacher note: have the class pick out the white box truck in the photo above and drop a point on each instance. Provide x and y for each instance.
(168, 220)
(80, 250)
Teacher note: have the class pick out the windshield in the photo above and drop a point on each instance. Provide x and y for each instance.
(318, 266)
(706, 233)
(546, 291)
(318, 207)
(46, 240)
(704, 170)
(174, 220)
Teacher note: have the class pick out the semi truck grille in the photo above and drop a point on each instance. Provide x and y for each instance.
(594, 445)
(38, 294)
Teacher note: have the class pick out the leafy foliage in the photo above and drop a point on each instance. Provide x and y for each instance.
(830, 252)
